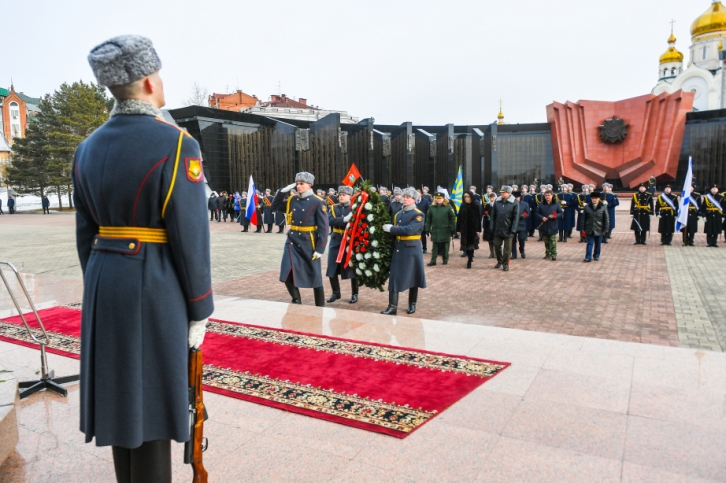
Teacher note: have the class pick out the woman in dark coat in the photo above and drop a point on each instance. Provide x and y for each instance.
(468, 226)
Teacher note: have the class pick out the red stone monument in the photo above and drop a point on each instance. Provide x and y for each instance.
(627, 140)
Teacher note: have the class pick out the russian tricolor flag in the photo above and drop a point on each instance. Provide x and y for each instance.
(252, 202)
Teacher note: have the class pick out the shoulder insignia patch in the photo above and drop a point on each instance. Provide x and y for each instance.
(324, 208)
(419, 218)
(194, 169)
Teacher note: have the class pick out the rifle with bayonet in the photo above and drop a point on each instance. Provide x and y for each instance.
(197, 443)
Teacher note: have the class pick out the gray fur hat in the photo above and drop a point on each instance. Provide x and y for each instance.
(345, 190)
(123, 59)
(425, 188)
(409, 192)
(305, 177)
(397, 191)
(506, 189)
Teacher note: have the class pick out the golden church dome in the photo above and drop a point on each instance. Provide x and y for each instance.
(713, 20)
(672, 54)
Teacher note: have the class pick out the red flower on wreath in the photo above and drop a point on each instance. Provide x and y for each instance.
(366, 235)
(363, 249)
(364, 226)
(366, 242)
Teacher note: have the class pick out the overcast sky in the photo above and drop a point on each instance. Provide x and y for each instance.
(429, 62)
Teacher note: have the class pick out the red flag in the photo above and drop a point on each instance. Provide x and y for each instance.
(352, 176)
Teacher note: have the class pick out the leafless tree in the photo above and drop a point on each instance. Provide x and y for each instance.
(198, 96)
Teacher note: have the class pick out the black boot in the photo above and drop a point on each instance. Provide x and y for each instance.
(319, 293)
(280, 228)
(471, 258)
(412, 297)
(354, 291)
(293, 291)
(392, 304)
(335, 285)
(150, 462)
(246, 228)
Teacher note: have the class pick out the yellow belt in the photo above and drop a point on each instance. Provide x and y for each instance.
(306, 229)
(143, 234)
(406, 238)
(338, 230)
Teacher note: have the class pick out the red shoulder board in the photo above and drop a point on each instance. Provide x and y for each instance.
(194, 169)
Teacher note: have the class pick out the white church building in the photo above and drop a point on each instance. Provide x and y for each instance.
(703, 74)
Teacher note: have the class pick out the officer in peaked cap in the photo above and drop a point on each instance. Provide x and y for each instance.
(407, 266)
(666, 210)
(712, 212)
(143, 242)
(641, 211)
(338, 216)
(307, 215)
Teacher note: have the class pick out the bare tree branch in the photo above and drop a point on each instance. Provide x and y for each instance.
(198, 95)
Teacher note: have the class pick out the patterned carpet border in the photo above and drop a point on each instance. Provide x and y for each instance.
(352, 407)
(58, 342)
(388, 354)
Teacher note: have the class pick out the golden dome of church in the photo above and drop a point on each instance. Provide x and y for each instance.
(672, 54)
(712, 20)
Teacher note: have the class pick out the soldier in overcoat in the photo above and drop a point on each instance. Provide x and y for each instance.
(712, 212)
(243, 220)
(407, 266)
(612, 201)
(666, 210)
(268, 217)
(338, 216)
(306, 239)
(694, 210)
(143, 244)
(641, 210)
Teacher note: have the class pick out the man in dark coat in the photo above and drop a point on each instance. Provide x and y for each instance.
(407, 267)
(504, 223)
(694, 210)
(338, 216)
(396, 203)
(45, 203)
(422, 204)
(525, 216)
(268, 218)
(242, 212)
(640, 210)
(306, 240)
(221, 207)
(1, 207)
(468, 226)
(212, 207)
(11, 205)
(582, 200)
(384, 197)
(595, 223)
(666, 210)
(712, 212)
(426, 195)
(548, 211)
(143, 244)
(563, 222)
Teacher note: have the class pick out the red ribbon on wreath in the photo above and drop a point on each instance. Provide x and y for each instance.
(353, 229)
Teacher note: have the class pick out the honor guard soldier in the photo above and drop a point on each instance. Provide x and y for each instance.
(143, 244)
(307, 215)
(694, 210)
(331, 199)
(640, 210)
(666, 210)
(612, 201)
(396, 203)
(712, 212)
(338, 216)
(407, 266)
(268, 218)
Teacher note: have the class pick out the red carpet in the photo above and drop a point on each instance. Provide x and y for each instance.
(390, 390)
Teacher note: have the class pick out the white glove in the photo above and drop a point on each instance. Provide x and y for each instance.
(197, 329)
(288, 187)
(316, 255)
(387, 228)
(347, 217)
(631, 216)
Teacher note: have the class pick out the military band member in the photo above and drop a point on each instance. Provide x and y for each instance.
(307, 214)
(694, 210)
(563, 223)
(407, 266)
(396, 203)
(666, 210)
(612, 201)
(331, 199)
(641, 211)
(143, 244)
(338, 216)
(582, 200)
(712, 212)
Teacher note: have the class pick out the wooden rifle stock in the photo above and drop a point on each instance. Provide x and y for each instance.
(197, 414)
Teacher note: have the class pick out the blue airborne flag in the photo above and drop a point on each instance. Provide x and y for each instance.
(457, 192)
